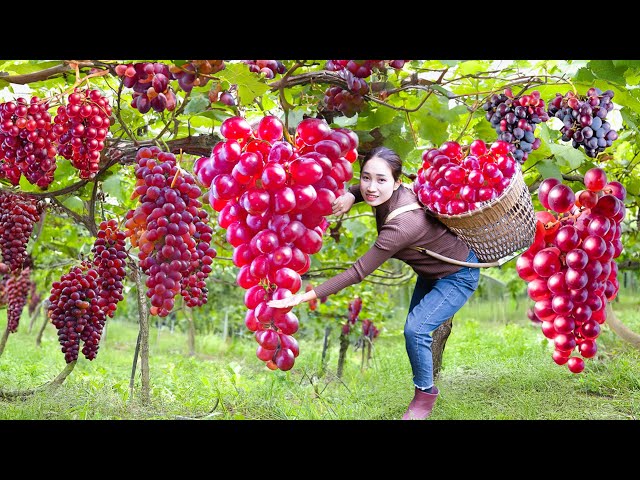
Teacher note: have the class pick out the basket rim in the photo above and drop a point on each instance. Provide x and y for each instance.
(488, 204)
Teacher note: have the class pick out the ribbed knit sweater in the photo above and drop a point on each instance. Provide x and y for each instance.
(395, 239)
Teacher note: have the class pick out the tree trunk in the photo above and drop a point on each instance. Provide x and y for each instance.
(5, 336)
(344, 345)
(192, 332)
(143, 338)
(437, 347)
(225, 326)
(621, 329)
(42, 327)
(325, 349)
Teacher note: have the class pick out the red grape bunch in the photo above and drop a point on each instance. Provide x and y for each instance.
(150, 84)
(27, 142)
(453, 180)
(81, 127)
(267, 68)
(355, 306)
(81, 300)
(170, 228)
(272, 197)
(18, 214)
(109, 256)
(570, 266)
(583, 119)
(515, 120)
(369, 329)
(71, 308)
(17, 291)
(351, 100)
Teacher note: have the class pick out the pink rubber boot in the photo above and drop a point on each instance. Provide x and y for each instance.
(421, 405)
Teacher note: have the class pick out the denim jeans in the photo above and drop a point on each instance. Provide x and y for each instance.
(432, 303)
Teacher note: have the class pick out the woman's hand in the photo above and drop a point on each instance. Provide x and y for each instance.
(343, 203)
(291, 301)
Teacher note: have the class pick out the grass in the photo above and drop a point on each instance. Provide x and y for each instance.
(496, 366)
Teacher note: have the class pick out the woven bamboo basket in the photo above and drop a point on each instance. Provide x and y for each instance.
(500, 227)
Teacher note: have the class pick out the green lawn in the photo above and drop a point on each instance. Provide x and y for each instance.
(497, 365)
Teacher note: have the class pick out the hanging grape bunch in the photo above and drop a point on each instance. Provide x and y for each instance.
(272, 197)
(171, 231)
(267, 68)
(17, 291)
(515, 120)
(150, 84)
(27, 142)
(195, 73)
(570, 267)
(583, 119)
(80, 128)
(84, 297)
(19, 212)
(350, 101)
(453, 180)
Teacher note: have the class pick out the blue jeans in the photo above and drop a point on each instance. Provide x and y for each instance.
(432, 303)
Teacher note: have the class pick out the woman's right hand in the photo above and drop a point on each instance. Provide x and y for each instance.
(343, 203)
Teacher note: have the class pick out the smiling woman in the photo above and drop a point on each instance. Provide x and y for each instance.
(441, 288)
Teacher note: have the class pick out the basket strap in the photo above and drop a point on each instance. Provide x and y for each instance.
(497, 263)
(398, 211)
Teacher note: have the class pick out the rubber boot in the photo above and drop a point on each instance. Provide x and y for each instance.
(421, 405)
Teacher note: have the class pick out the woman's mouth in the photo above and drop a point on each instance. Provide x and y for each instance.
(371, 198)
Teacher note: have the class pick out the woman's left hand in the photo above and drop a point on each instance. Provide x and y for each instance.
(291, 301)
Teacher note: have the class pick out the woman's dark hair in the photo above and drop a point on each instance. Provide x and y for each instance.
(389, 156)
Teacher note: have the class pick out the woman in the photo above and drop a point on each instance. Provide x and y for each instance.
(441, 289)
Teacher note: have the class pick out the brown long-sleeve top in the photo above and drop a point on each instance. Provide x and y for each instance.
(395, 239)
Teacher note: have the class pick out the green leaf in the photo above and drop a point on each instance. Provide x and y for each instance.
(629, 118)
(197, 103)
(73, 202)
(20, 68)
(378, 116)
(633, 186)
(113, 186)
(249, 85)
(549, 169)
(566, 155)
(472, 66)
(294, 117)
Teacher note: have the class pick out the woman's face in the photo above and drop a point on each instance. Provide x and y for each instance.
(376, 182)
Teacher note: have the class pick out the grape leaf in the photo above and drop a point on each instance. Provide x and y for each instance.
(472, 66)
(113, 186)
(566, 155)
(74, 203)
(633, 186)
(548, 169)
(629, 118)
(249, 84)
(197, 103)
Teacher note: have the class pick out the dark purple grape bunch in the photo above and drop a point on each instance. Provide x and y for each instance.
(515, 119)
(72, 309)
(150, 84)
(195, 73)
(267, 68)
(19, 212)
(17, 291)
(350, 101)
(583, 119)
